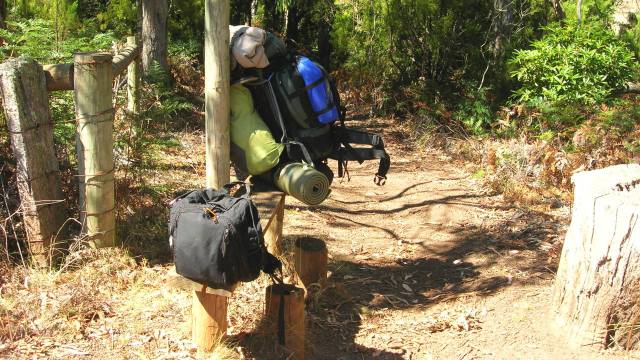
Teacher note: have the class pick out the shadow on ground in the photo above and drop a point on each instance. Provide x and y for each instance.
(358, 289)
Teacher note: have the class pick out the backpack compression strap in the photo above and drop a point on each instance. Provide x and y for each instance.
(346, 152)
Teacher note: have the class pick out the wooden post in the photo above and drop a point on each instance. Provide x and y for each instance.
(596, 298)
(208, 319)
(93, 95)
(217, 87)
(285, 316)
(310, 259)
(133, 81)
(26, 107)
(208, 309)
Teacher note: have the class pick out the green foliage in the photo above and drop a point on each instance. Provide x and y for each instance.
(582, 64)
(592, 10)
(36, 38)
(434, 47)
(475, 113)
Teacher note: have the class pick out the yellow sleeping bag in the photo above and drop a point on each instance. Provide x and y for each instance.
(253, 148)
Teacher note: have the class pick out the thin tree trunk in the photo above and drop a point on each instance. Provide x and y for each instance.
(271, 16)
(253, 12)
(503, 26)
(154, 34)
(293, 20)
(3, 14)
(557, 7)
(324, 43)
(579, 10)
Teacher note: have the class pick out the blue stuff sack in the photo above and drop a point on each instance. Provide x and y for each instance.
(318, 90)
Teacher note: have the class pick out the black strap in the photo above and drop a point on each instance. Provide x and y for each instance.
(303, 91)
(281, 332)
(276, 109)
(346, 152)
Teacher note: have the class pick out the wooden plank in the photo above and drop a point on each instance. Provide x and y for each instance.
(26, 108)
(267, 203)
(273, 229)
(94, 112)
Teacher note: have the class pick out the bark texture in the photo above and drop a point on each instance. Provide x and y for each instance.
(557, 7)
(596, 292)
(217, 86)
(154, 34)
(26, 107)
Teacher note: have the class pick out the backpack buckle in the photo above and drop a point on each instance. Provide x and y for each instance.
(379, 180)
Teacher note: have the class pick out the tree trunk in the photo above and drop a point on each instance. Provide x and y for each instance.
(324, 43)
(579, 11)
(3, 14)
(503, 26)
(272, 19)
(154, 34)
(597, 287)
(557, 7)
(293, 19)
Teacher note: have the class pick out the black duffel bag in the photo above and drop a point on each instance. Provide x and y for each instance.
(217, 239)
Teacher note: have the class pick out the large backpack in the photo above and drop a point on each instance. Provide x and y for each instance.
(217, 239)
(301, 106)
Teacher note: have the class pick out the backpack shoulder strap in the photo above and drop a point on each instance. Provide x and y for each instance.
(345, 152)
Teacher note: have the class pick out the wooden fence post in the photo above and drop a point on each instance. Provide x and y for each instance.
(133, 81)
(217, 87)
(93, 95)
(26, 107)
(209, 309)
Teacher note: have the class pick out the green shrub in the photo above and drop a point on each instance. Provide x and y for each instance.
(36, 38)
(573, 64)
(475, 113)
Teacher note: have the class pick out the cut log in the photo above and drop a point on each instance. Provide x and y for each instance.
(26, 108)
(285, 318)
(310, 258)
(59, 77)
(597, 288)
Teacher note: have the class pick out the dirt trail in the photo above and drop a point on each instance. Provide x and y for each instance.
(430, 266)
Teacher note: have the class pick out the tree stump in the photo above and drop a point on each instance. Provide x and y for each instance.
(285, 317)
(596, 291)
(310, 258)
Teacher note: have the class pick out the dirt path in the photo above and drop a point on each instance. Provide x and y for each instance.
(430, 266)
